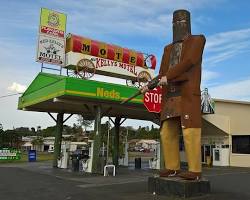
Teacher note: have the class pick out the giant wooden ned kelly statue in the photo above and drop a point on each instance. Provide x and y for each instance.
(180, 73)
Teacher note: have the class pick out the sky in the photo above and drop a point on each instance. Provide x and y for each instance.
(143, 25)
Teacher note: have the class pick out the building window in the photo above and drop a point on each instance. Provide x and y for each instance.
(241, 144)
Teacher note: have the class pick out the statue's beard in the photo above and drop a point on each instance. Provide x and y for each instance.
(180, 31)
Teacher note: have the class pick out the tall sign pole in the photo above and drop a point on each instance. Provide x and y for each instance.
(51, 50)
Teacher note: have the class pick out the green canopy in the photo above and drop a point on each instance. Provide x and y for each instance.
(55, 93)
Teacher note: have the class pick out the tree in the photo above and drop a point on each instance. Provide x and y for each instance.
(37, 143)
(11, 138)
(49, 131)
(33, 130)
(1, 128)
(23, 131)
(84, 122)
(39, 129)
(1, 136)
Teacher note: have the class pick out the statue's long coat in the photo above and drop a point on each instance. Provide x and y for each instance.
(185, 77)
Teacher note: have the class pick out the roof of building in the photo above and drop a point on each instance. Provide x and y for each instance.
(133, 140)
(232, 101)
(148, 141)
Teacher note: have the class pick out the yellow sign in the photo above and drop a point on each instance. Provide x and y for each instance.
(52, 23)
(113, 94)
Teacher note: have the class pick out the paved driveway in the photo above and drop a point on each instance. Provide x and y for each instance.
(31, 181)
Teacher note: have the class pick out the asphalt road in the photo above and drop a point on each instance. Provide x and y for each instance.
(38, 181)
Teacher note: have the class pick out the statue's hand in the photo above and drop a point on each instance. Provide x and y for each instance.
(163, 81)
(144, 89)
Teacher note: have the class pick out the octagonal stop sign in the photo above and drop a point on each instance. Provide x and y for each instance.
(152, 100)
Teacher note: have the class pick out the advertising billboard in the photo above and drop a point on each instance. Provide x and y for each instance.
(51, 50)
(51, 39)
(52, 23)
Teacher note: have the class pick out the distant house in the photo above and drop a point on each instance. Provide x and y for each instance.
(27, 143)
(46, 144)
(143, 143)
(148, 144)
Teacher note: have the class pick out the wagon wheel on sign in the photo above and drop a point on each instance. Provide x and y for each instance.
(72, 73)
(85, 68)
(132, 83)
(143, 78)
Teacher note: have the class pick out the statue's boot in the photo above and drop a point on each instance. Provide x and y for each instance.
(188, 175)
(169, 173)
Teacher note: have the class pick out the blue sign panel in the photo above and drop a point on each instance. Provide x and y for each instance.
(32, 155)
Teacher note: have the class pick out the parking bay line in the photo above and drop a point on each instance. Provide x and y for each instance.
(109, 184)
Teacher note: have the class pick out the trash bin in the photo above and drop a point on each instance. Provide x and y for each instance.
(32, 155)
(137, 163)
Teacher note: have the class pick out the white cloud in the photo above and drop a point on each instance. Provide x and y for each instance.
(216, 42)
(27, 20)
(224, 45)
(209, 75)
(18, 62)
(137, 17)
(208, 78)
(16, 87)
(237, 90)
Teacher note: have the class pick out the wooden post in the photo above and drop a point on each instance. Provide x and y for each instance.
(96, 162)
(58, 138)
(116, 142)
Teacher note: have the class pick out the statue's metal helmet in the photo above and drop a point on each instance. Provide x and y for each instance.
(181, 25)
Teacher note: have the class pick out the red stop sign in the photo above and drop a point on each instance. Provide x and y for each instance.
(152, 100)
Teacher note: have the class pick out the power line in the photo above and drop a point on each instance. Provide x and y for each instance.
(9, 95)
